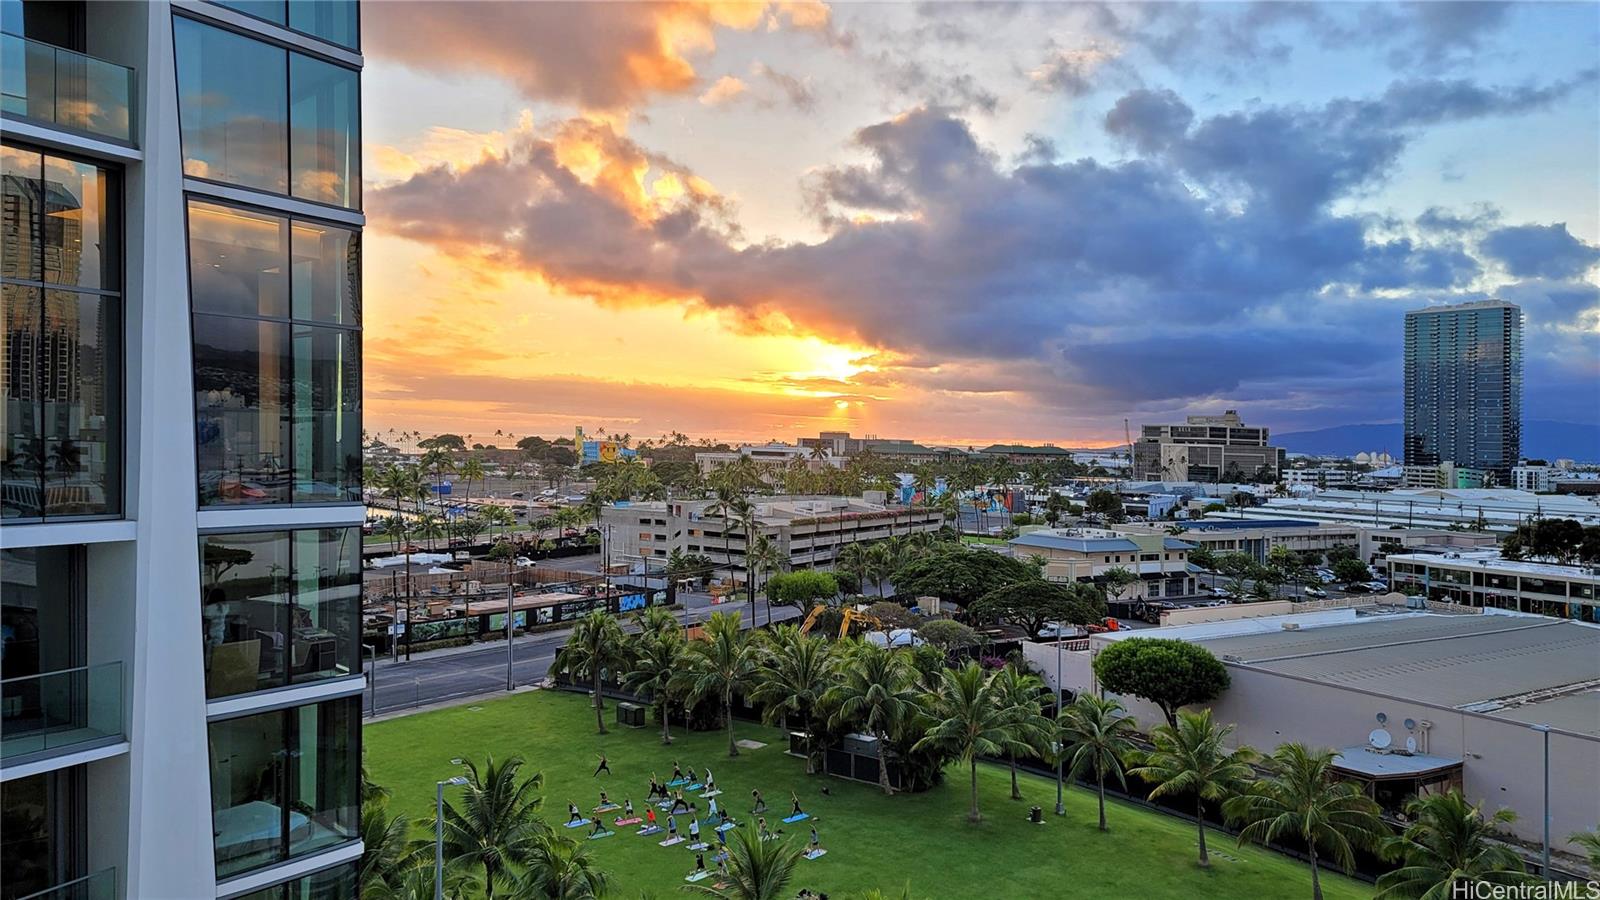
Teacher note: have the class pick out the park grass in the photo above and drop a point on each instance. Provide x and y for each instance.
(873, 841)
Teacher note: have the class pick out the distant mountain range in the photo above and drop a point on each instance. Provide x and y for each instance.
(1541, 439)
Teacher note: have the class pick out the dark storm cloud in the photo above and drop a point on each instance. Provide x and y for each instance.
(1211, 266)
(1541, 251)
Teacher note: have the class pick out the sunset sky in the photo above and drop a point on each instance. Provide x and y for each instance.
(964, 222)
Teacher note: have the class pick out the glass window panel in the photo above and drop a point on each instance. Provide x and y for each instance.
(232, 107)
(327, 414)
(325, 131)
(79, 228)
(244, 590)
(248, 777)
(237, 261)
(22, 460)
(271, 10)
(242, 380)
(327, 603)
(326, 274)
(21, 195)
(332, 20)
(41, 844)
(79, 375)
(337, 883)
(326, 785)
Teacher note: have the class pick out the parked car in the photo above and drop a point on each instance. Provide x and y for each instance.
(1053, 630)
(1378, 587)
(1223, 594)
(1357, 587)
(1316, 592)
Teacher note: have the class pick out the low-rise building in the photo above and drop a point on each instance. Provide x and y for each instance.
(1087, 554)
(773, 457)
(808, 531)
(1535, 477)
(1447, 476)
(1484, 578)
(1207, 448)
(1022, 454)
(1497, 510)
(1413, 702)
(1256, 537)
(904, 452)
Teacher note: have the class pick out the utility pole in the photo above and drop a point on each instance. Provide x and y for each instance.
(511, 593)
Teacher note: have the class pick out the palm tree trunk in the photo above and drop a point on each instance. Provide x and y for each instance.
(1016, 794)
(488, 883)
(883, 765)
(599, 704)
(972, 814)
(666, 723)
(1200, 823)
(1316, 877)
(811, 763)
(1101, 784)
(727, 713)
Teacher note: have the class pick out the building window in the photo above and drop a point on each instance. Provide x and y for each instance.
(335, 21)
(339, 882)
(284, 783)
(277, 313)
(280, 607)
(61, 323)
(43, 842)
(259, 116)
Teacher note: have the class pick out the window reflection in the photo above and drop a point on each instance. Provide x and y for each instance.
(325, 134)
(232, 107)
(327, 416)
(60, 339)
(326, 274)
(241, 381)
(332, 20)
(327, 597)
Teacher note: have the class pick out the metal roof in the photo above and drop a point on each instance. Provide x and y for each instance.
(1513, 667)
(1374, 764)
(1231, 524)
(1079, 544)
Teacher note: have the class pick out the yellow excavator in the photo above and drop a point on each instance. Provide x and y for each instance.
(851, 616)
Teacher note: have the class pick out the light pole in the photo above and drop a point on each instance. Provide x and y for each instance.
(511, 631)
(438, 834)
(1061, 809)
(1544, 855)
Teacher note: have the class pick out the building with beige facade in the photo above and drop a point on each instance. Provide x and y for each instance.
(1087, 554)
(1483, 578)
(1208, 449)
(809, 531)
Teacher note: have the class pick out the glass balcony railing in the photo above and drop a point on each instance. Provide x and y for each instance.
(60, 710)
(102, 885)
(53, 86)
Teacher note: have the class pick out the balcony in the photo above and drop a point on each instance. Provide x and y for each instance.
(60, 711)
(102, 885)
(48, 85)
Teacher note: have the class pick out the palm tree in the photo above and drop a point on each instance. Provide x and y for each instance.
(1449, 843)
(471, 470)
(657, 660)
(971, 720)
(1095, 735)
(559, 868)
(726, 659)
(1190, 758)
(855, 558)
(595, 645)
(1590, 842)
(764, 555)
(1021, 696)
(793, 679)
(384, 848)
(726, 506)
(1303, 797)
(497, 824)
(757, 869)
(877, 692)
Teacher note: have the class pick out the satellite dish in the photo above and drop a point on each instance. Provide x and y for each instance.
(1411, 744)
(1379, 739)
(1382, 718)
(1411, 724)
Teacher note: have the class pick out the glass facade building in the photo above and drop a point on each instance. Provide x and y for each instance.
(1463, 386)
(180, 449)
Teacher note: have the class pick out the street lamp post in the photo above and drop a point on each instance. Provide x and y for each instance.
(438, 834)
(1544, 855)
(1061, 809)
(511, 631)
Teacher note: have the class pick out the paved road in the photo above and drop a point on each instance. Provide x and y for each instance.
(463, 672)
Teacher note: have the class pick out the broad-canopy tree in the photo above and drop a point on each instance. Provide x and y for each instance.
(1033, 604)
(1169, 673)
(801, 588)
(959, 575)
(948, 634)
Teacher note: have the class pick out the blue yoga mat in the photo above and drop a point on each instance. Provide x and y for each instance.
(576, 824)
(801, 817)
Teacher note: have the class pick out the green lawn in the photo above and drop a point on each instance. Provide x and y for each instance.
(873, 841)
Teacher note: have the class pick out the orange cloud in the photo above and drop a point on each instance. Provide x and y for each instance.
(600, 56)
